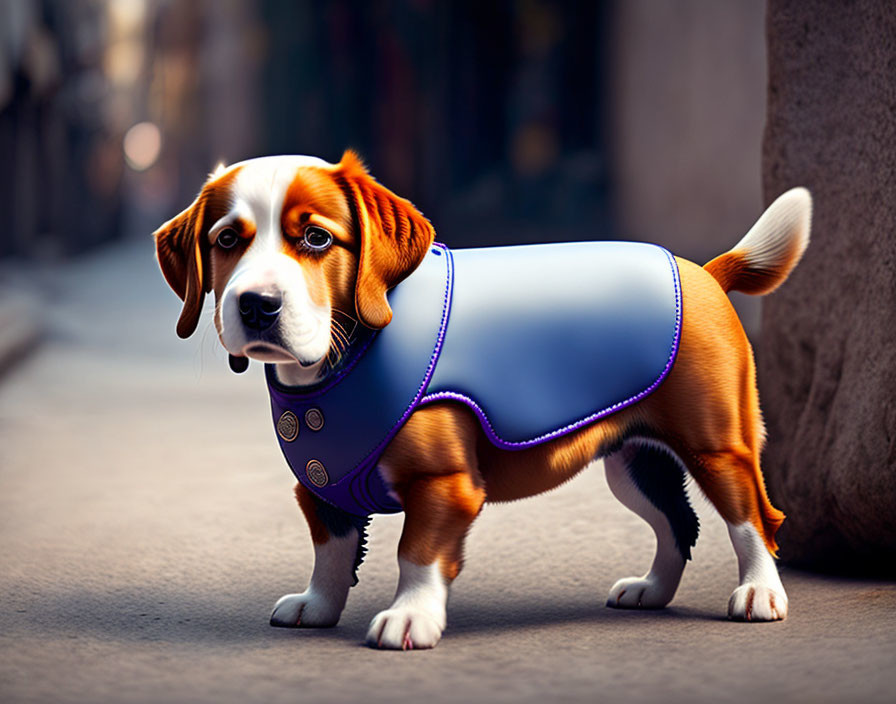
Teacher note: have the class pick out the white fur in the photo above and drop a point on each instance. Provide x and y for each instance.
(656, 588)
(219, 170)
(417, 615)
(259, 190)
(760, 596)
(781, 234)
(304, 326)
(322, 602)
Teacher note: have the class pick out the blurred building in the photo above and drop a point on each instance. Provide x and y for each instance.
(60, 181)
(511, 121)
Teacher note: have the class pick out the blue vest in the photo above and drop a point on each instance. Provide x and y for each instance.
(537, 340)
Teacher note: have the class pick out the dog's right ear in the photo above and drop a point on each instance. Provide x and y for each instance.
(182, 251)
(182, 246)
(394, 238)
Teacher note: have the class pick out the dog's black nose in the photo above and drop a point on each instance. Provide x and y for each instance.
(259, 311)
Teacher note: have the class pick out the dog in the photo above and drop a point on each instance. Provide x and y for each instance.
(312, 264)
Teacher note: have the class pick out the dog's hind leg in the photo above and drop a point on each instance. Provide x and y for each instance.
(338, 539)
(648, 478)
(760, 596)
(732, 481)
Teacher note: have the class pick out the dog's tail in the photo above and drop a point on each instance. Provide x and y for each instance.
(764, 258)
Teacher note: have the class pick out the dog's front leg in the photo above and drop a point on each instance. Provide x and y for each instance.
(337, 537)
(438, 512)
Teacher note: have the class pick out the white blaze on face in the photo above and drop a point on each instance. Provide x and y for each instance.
(303, 328)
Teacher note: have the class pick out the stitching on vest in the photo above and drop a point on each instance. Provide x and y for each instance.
(509, 445)
(373, 455)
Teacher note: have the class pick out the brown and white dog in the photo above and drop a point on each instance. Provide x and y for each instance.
(323, 243)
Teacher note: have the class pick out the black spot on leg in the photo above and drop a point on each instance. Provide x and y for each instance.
(661, 478)
(339, 524)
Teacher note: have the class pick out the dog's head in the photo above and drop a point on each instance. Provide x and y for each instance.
(297, 251)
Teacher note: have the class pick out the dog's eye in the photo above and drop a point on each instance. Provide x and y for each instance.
(317, 237)
(227, 238)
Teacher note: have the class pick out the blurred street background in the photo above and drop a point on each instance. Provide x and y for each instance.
(505, 122)
(510, 121)
(146, 521)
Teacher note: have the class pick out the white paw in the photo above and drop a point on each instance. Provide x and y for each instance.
(639, 593)
(404, 628)
(756, 602)
(305, 610)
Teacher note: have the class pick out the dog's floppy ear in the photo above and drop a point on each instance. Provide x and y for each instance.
(183, 249)
(394, 238)
(183, 252)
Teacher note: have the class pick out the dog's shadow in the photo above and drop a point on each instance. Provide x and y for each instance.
(528, 613)
(157, 614)
(167, 616)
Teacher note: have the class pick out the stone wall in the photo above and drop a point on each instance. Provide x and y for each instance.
(827, 361)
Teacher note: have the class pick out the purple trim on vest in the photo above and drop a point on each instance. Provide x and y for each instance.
(362, 490)
(365, 475)
(507, 445)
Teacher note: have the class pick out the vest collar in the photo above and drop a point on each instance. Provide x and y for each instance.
(333, 434)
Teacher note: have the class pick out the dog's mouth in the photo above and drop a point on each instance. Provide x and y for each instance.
(269, 352)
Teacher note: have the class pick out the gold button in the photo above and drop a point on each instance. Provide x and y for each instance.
(314, 419)
(316, 473)
(288, 426)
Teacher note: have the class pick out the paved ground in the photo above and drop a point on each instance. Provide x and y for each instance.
(147, 526)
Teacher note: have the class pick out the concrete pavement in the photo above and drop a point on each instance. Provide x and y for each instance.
(147, 527)
(21, 311)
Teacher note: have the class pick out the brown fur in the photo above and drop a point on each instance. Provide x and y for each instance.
(183, 249)
(394, 237)
(442, 494)
(307, 502)
(314, 198)
(734, 272)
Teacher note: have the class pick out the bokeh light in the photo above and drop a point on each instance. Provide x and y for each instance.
(142, 145)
